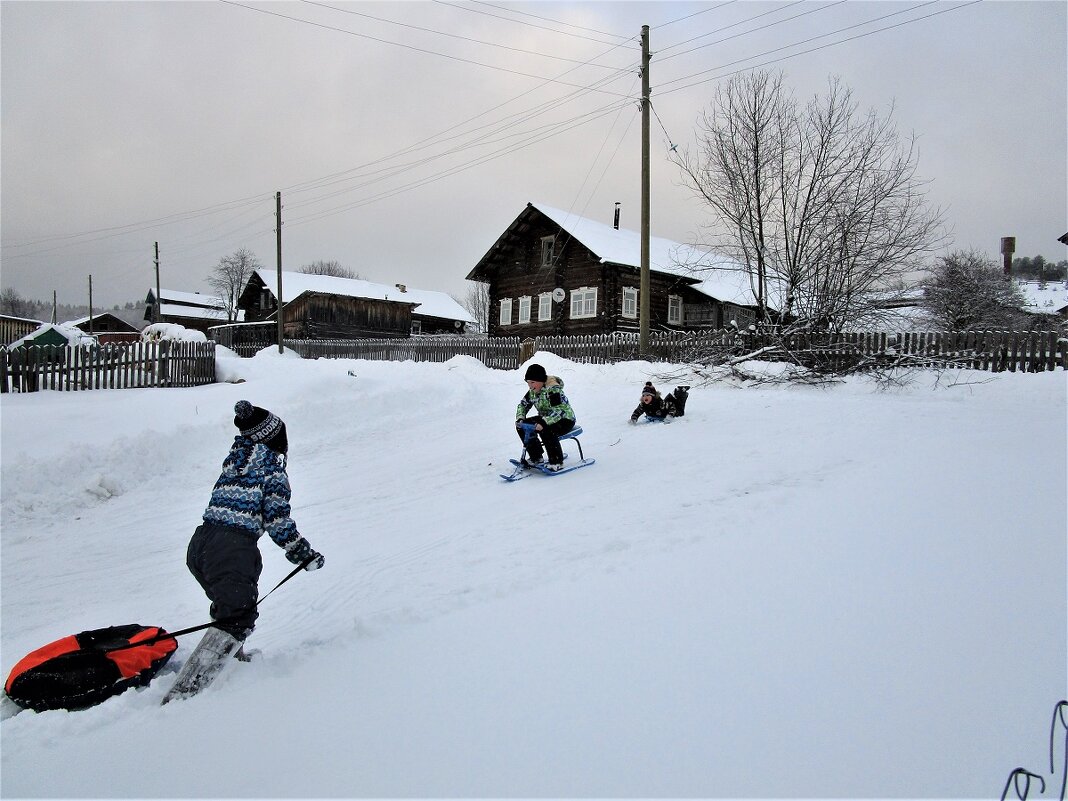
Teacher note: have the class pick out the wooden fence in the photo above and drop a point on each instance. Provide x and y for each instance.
(1031, 351)
(1028, 351)
(117, 366)
(501, 352)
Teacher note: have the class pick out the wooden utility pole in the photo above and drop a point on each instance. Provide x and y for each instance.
(90, 305)
(54, 310)
(278, 239)
(159, 300)
(643, 292)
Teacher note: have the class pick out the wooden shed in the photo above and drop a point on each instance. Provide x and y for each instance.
(108, 328)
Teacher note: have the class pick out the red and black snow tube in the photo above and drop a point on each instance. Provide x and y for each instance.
(84, 669)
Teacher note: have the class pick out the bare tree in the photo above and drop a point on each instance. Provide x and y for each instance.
(967, 291)
(230, 276)
(477, 303)
(333, 268)
(820, 204)
(11, 302)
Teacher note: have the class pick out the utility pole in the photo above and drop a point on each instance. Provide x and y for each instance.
(54, 311)
(643, 292)
(278, 239)
(90, 305)
(159, 300)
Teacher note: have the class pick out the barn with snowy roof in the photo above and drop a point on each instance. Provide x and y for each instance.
(328, 307)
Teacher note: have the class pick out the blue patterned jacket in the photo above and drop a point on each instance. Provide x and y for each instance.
(252, 494)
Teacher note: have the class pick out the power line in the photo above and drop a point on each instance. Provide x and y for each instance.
(662, 50)
(555, 21)
(813, 49)
(694, 14)
(453, 35)
(521, 22)
(395, 44)
(754, 30)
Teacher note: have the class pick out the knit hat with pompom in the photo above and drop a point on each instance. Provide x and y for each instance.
(259, 425)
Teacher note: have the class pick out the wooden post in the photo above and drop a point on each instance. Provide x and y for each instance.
(644, 283)
(278, 240)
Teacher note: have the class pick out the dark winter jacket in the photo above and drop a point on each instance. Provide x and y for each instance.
(549, 401)
(657, 407)
(252, 495)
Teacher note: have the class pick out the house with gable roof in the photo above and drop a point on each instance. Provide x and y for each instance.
(187, 309)
(554, 273)
(328, 307)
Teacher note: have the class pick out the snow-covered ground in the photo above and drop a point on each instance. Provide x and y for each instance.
(791, 592)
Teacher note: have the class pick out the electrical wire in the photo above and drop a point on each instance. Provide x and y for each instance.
(521, 22)
(810, 50)
(395, 44)
(539, 53)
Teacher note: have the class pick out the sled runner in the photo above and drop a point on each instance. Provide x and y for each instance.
(524, 469)
(84, 669)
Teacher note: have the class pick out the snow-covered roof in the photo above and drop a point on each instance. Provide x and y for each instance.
(427, 302)
(188, 298)
(194, 312)
(717, 276)
(73, 335)
(1050, 297)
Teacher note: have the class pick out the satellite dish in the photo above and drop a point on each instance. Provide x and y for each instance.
(559, 294)
(457, 324)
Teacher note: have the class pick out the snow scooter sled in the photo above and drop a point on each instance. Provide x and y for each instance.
(523, 468)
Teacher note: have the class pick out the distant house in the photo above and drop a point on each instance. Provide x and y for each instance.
(187, 309)
(327, 307)
(107, 328)
(552, 272)
(13, 328)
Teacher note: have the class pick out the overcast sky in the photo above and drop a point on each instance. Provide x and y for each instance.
(405, 137)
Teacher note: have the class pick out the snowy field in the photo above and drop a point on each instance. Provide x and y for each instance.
(791, 592)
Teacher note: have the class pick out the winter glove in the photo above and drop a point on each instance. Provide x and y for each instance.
(668, 418)
(300, 551)
(634, 419)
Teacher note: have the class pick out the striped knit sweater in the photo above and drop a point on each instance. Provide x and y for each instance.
(252, 494)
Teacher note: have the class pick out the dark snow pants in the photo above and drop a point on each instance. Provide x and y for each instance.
(550, 435)
(226, 562)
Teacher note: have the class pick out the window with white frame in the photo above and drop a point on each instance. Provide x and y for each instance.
(547, 243)
(630, 302)
(583, 302)
(506, 311)
(417, 326)
(674, 310)
(545, 306)
(524, 309)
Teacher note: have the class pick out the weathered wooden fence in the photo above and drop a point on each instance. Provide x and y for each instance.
(117, 366)
(1029, 351)
(501, 353)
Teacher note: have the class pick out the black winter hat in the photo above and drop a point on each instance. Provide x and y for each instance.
(649, 389)
(259, 425)
(536, 373)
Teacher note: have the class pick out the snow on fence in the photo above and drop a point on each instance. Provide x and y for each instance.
(502, 352)
(116, 366)
(1028, 351)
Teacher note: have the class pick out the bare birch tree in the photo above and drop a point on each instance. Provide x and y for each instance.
(820, 204)
(477, 303)
(230, 276)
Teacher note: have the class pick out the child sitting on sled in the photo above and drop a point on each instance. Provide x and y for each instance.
(555, 417)
(658, 408)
